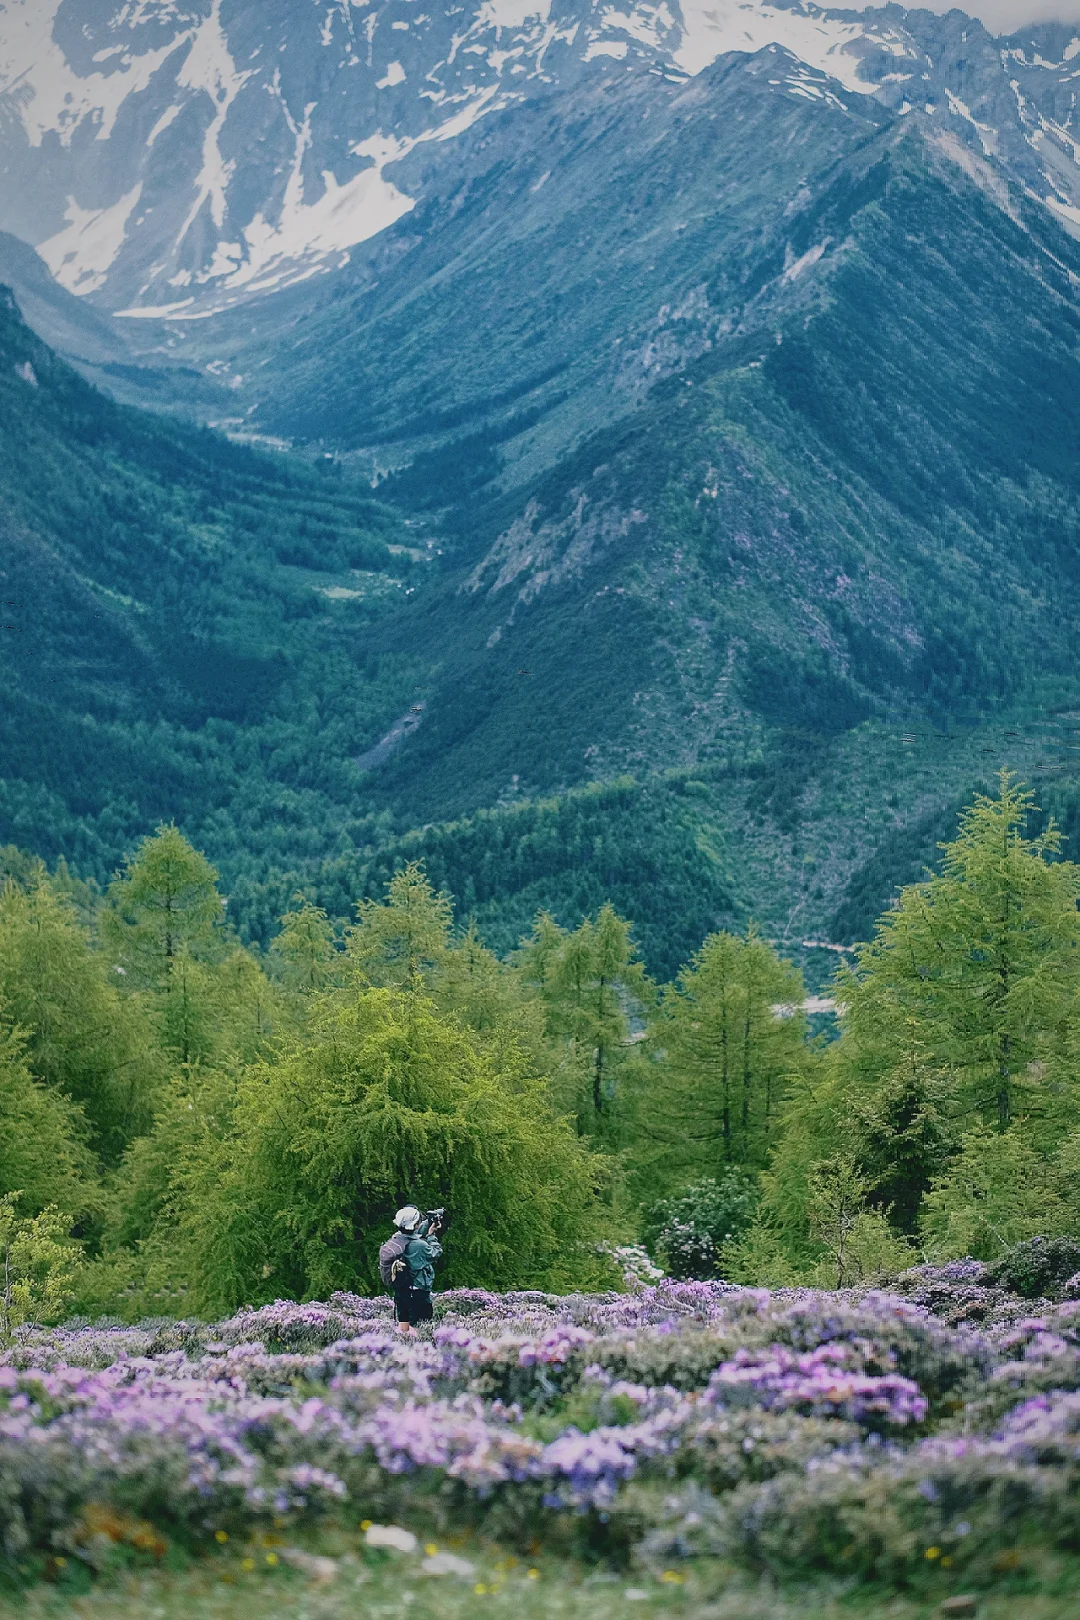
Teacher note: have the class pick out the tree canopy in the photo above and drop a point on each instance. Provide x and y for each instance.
(212, 1126)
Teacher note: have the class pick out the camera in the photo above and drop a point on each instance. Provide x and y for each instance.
(435, 1217)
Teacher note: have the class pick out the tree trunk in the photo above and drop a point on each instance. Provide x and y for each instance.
(726, 1080)
(598, 1067)
(746, 1080)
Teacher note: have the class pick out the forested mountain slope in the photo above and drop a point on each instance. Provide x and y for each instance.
(566, 253)
(818, 563)
(642, 205)
(868, 501)
(813, 579)
(380, 224)
(718, 374)
(184, 630)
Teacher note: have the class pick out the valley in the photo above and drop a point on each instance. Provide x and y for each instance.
(673, 406)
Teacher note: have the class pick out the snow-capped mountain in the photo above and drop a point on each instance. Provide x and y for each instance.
(173, 157)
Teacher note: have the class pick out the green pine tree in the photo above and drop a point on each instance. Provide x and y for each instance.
(593, 990)
(980, 964)
(734, 1036)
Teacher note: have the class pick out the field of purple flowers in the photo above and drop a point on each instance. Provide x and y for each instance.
(885, 1436)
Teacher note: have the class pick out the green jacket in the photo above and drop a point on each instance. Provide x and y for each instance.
(420, 1257)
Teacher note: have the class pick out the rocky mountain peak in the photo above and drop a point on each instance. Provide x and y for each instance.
(173, 157)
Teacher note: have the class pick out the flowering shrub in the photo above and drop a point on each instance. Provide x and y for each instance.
(1038, 1269)
(633, 1264)
(845, 1430)
(688, 1232)
(961, 1292)
(828, 1381)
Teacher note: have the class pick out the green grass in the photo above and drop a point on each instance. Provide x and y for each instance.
(257, 1582)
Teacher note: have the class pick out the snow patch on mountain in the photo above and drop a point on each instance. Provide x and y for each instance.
(651, 26)
(342, 217)
(1069, 215)
(210, 70)
(42, 92)
(987, 135)
(294, 115)
(420, 65)
(82, 254)
(309, 238)
(512, 13)
(711, 28)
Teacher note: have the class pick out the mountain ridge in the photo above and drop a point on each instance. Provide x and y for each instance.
(826, 578)
(724, 426)
(160, 155)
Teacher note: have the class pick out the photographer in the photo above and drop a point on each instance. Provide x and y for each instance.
(407, 1263)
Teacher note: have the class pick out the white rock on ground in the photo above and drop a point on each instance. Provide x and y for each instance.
(390, 1535)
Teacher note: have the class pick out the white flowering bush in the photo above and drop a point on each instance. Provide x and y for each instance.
(690, 1231)
(632, 1262)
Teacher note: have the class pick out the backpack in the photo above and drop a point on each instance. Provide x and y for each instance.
(390, 1253)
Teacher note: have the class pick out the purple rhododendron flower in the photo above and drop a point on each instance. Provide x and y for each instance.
(768, 1400)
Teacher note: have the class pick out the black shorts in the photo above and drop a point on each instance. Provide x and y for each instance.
(412, 1305)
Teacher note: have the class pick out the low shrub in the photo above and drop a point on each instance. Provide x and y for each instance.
(1037, 1269)
(854, 1432)
(688, 1233)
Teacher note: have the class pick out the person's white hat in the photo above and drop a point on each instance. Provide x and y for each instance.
(407, 1219)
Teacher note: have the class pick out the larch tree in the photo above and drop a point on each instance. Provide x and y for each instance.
(44, 1156)
(399, 943)
(388, 1102)
(733, 1033)
(304, 953)
(81, 1036)
(978, 965)
(163, 925)
(164, 907)
(593, 989)
(954, 1079)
